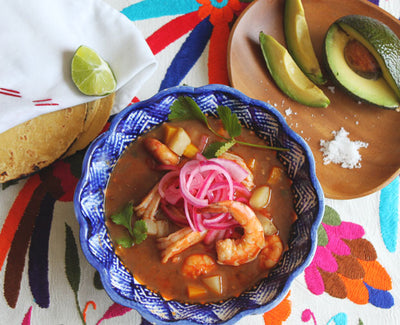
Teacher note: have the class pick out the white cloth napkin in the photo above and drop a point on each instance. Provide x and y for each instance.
(37, 41)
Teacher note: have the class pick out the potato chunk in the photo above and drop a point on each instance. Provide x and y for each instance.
(214, 283)
(178, 141)
(260, 197)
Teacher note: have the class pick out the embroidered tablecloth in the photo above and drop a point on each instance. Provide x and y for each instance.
(45, 279)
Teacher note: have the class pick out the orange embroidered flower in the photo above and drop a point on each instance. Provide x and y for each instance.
(280, 313)
(220, 11)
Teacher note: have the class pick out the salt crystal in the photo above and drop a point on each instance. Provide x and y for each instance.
(288, 111)
(342, 151)
(332, 89)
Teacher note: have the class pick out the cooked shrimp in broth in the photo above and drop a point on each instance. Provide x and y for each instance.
(205, 239)
(245, 249)
(197, 265)
(177, 242)
(272, 252)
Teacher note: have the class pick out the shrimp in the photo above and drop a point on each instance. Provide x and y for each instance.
(272, 252)
(197, 264)
(245, 249)
(248, 182)
(162, 153)
(148, 207)
(178, 241)
(147, 210)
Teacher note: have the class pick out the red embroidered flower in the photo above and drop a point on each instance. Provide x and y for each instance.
(220, 11)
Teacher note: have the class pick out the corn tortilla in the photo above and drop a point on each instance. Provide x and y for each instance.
(97, 116)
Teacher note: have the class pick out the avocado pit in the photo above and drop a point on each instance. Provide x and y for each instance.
(361, 61)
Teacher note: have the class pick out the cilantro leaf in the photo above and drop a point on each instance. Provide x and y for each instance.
(124, 217)
(211, 150)
(225, 147)
(185, 108)
(230, 121)
(125, 242)
(140, 231)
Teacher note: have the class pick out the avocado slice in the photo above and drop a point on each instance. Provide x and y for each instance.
(382, 43)
(299, 43)
(288, 76)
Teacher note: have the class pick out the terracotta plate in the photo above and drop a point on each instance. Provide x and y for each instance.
(378, 127)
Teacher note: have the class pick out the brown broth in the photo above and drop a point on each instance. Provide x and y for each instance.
(133, 177)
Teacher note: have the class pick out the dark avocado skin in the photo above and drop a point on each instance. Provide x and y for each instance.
(382, 38)
(383, 44)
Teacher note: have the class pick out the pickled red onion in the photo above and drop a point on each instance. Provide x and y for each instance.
(199, 183)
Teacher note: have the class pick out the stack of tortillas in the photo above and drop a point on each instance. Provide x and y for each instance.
(35, 144)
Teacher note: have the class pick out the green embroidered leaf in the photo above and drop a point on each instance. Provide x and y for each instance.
(230, 121)
(140, 231)
(75, 162)
(322, 236)
(97, 281)
(185, 108)
(72, 268)
(9, 183)
(124, 217)
(331, 217)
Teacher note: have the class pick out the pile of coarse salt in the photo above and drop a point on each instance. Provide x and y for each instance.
(342, 151)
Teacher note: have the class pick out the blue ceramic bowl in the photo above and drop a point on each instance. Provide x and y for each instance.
(139, 118)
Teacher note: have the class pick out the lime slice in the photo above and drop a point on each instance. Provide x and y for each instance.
(91, 74)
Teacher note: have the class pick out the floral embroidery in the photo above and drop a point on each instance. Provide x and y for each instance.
(389, 214)
(345, 265)
(116, 310)
(220, 12)
(343, 259)
(280, 313)
(27, 317)
(207, 22)
(338, 319)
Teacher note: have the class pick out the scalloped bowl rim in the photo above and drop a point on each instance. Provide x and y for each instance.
(193, 91)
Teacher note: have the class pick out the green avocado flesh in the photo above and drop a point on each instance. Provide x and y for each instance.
(382, 43)
(288, 76)
(298, 41)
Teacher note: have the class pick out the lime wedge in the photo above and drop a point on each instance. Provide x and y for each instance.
(91, 74)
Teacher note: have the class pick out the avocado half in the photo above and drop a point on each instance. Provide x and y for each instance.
(288, 76)
(299, 43)
(382, 43)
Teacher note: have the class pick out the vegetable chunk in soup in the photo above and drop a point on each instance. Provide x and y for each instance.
(195, 229)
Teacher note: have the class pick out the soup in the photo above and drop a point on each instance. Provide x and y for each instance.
(181, 258)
